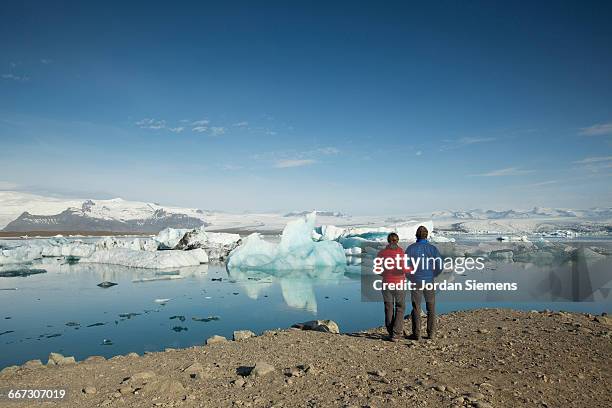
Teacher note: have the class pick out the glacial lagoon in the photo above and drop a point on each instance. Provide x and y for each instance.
(61, 308)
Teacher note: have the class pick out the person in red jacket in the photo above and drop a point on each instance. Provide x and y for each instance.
(395, 299)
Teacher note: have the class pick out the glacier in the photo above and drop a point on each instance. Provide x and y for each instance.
(148, 259)
(296, 250)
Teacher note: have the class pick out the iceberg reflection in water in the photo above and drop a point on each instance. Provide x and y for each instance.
(297, 286)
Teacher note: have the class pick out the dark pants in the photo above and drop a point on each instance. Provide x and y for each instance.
(395, 305)
(430, 302)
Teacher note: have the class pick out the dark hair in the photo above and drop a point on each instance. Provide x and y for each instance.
(421, 232)
(392, 235)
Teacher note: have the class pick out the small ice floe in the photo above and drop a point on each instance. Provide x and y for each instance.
(73, 324)
(106, 284)
(181, 318)
(157, 278)
(179, 329)
(162, 301)
(22, 272)
(107, 342)
(96, 324)
(128, 315)
(205, 319)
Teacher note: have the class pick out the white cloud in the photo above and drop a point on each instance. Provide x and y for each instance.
(597, 159)
(12, 77)
(466, 141)
(200, 129)
(177, 129)
(599, 129)
(328, 150)
(148, 123)
(418, 153)
(283, 164)
(202, 122)
(217, 130)
(241, 124)
(509, 171)
(595, 164)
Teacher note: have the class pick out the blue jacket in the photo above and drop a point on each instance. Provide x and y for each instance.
(425, 270)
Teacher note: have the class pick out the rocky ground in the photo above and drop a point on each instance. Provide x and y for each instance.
(483, 358)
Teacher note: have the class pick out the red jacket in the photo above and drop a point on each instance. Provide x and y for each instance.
(393, 275)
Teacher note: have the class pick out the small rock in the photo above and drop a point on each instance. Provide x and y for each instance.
(440, 387)
(33, 364)
(195, 371)
(474, 396)
(9, 369)
(165, 387)
(261, 368)
(142, 376)
(126, 389)
(328, 326)
(215, 339)
(66, 361)
(133, 355)
(483, 331)
(54, 358)
(89, 390)
(243, 335)
(94, 359)
(106, 284)
(238, 382)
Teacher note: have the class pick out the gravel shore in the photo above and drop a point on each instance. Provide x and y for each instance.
(481, 358)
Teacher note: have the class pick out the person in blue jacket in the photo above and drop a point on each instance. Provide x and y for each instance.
(425, 270)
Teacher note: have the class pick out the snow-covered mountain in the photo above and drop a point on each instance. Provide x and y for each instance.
(536, 212)
(21, 212)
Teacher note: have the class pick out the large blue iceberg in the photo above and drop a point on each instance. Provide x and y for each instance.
(296, 250)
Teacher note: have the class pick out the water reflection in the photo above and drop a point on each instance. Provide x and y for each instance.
(297, 286)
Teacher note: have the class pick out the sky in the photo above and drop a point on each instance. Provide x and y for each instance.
(361, 107)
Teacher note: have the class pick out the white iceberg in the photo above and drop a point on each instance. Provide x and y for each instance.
(296, 250)
(351, 237)
(169, 237)
(21, 254)
(148, 259)
(137, 244)
(217, 245)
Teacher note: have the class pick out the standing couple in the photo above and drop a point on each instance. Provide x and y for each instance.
(395, 300)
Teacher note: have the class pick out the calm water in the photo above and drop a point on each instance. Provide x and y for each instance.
(34, 317)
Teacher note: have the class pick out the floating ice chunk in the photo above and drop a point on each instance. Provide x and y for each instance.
(353, 251)
(162, 301)
(148, 259)
(441, 238)
(136, 244)
(217, 245)
(296, 250)
(169, 237)
(78, 249)
(18, 255)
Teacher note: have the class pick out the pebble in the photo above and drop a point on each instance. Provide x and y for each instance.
(215, 339)
(238, 383)
(89, 390)
(242, 335)
(261, 368)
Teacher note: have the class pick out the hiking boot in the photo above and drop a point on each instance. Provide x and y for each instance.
(414, 337)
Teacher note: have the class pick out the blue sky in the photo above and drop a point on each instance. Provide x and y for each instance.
(363, 107)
